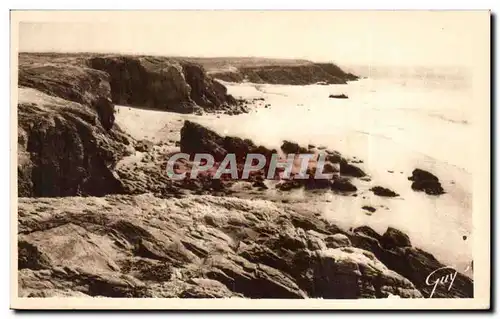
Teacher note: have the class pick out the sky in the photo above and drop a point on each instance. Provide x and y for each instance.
(425, 38)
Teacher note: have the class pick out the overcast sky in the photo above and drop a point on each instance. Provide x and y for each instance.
(378, 38)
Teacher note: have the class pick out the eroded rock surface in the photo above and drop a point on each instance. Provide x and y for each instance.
(205, 246)
(63, 148)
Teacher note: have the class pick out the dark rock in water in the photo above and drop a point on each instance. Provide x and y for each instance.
(430, 188)
(382, 191)
(343, 185)
(425, 181)
(238, 146)
(369, 208)
(338, 96)
(310, 146)
(334, 157)
(393, 238)
(196, 138)
(350, 170)
(420, 174)
(292, 148)
(330, 168)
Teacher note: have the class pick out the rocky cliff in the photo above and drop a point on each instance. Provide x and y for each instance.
(64, 149)
(68, 143)
(144, 81)
(309, 73)
(161, 83)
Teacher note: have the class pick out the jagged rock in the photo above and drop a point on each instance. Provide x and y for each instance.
(203, 246)
(394, 238)
(425, 181)
(334, 157)
(337, 241)
(251, 280)
(347, 169)
(315, 240)
(382, 191)
(412, 263)
(330, 168)
(76, 83)
(196, 138)
(63, 150)
(367, 231)
(343, 185)
(293, 148)
(207, 288)
(348, 273)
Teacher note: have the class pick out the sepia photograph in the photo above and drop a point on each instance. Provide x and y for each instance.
(250, 159)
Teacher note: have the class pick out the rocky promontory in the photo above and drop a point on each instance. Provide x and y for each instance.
(67, 141)
(145, 81)
(275, 71)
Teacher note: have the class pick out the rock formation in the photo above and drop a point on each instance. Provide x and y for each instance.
(68, 143)
(300, 74)
(63, 148)
(144, 81)
(383, 191)
(204, 246)
(149, 236)
(426, 182)
(338, 96)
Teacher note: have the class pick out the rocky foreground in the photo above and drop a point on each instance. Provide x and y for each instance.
(205, 247)
(93, 222)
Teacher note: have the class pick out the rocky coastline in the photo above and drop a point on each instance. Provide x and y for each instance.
(92, 224)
